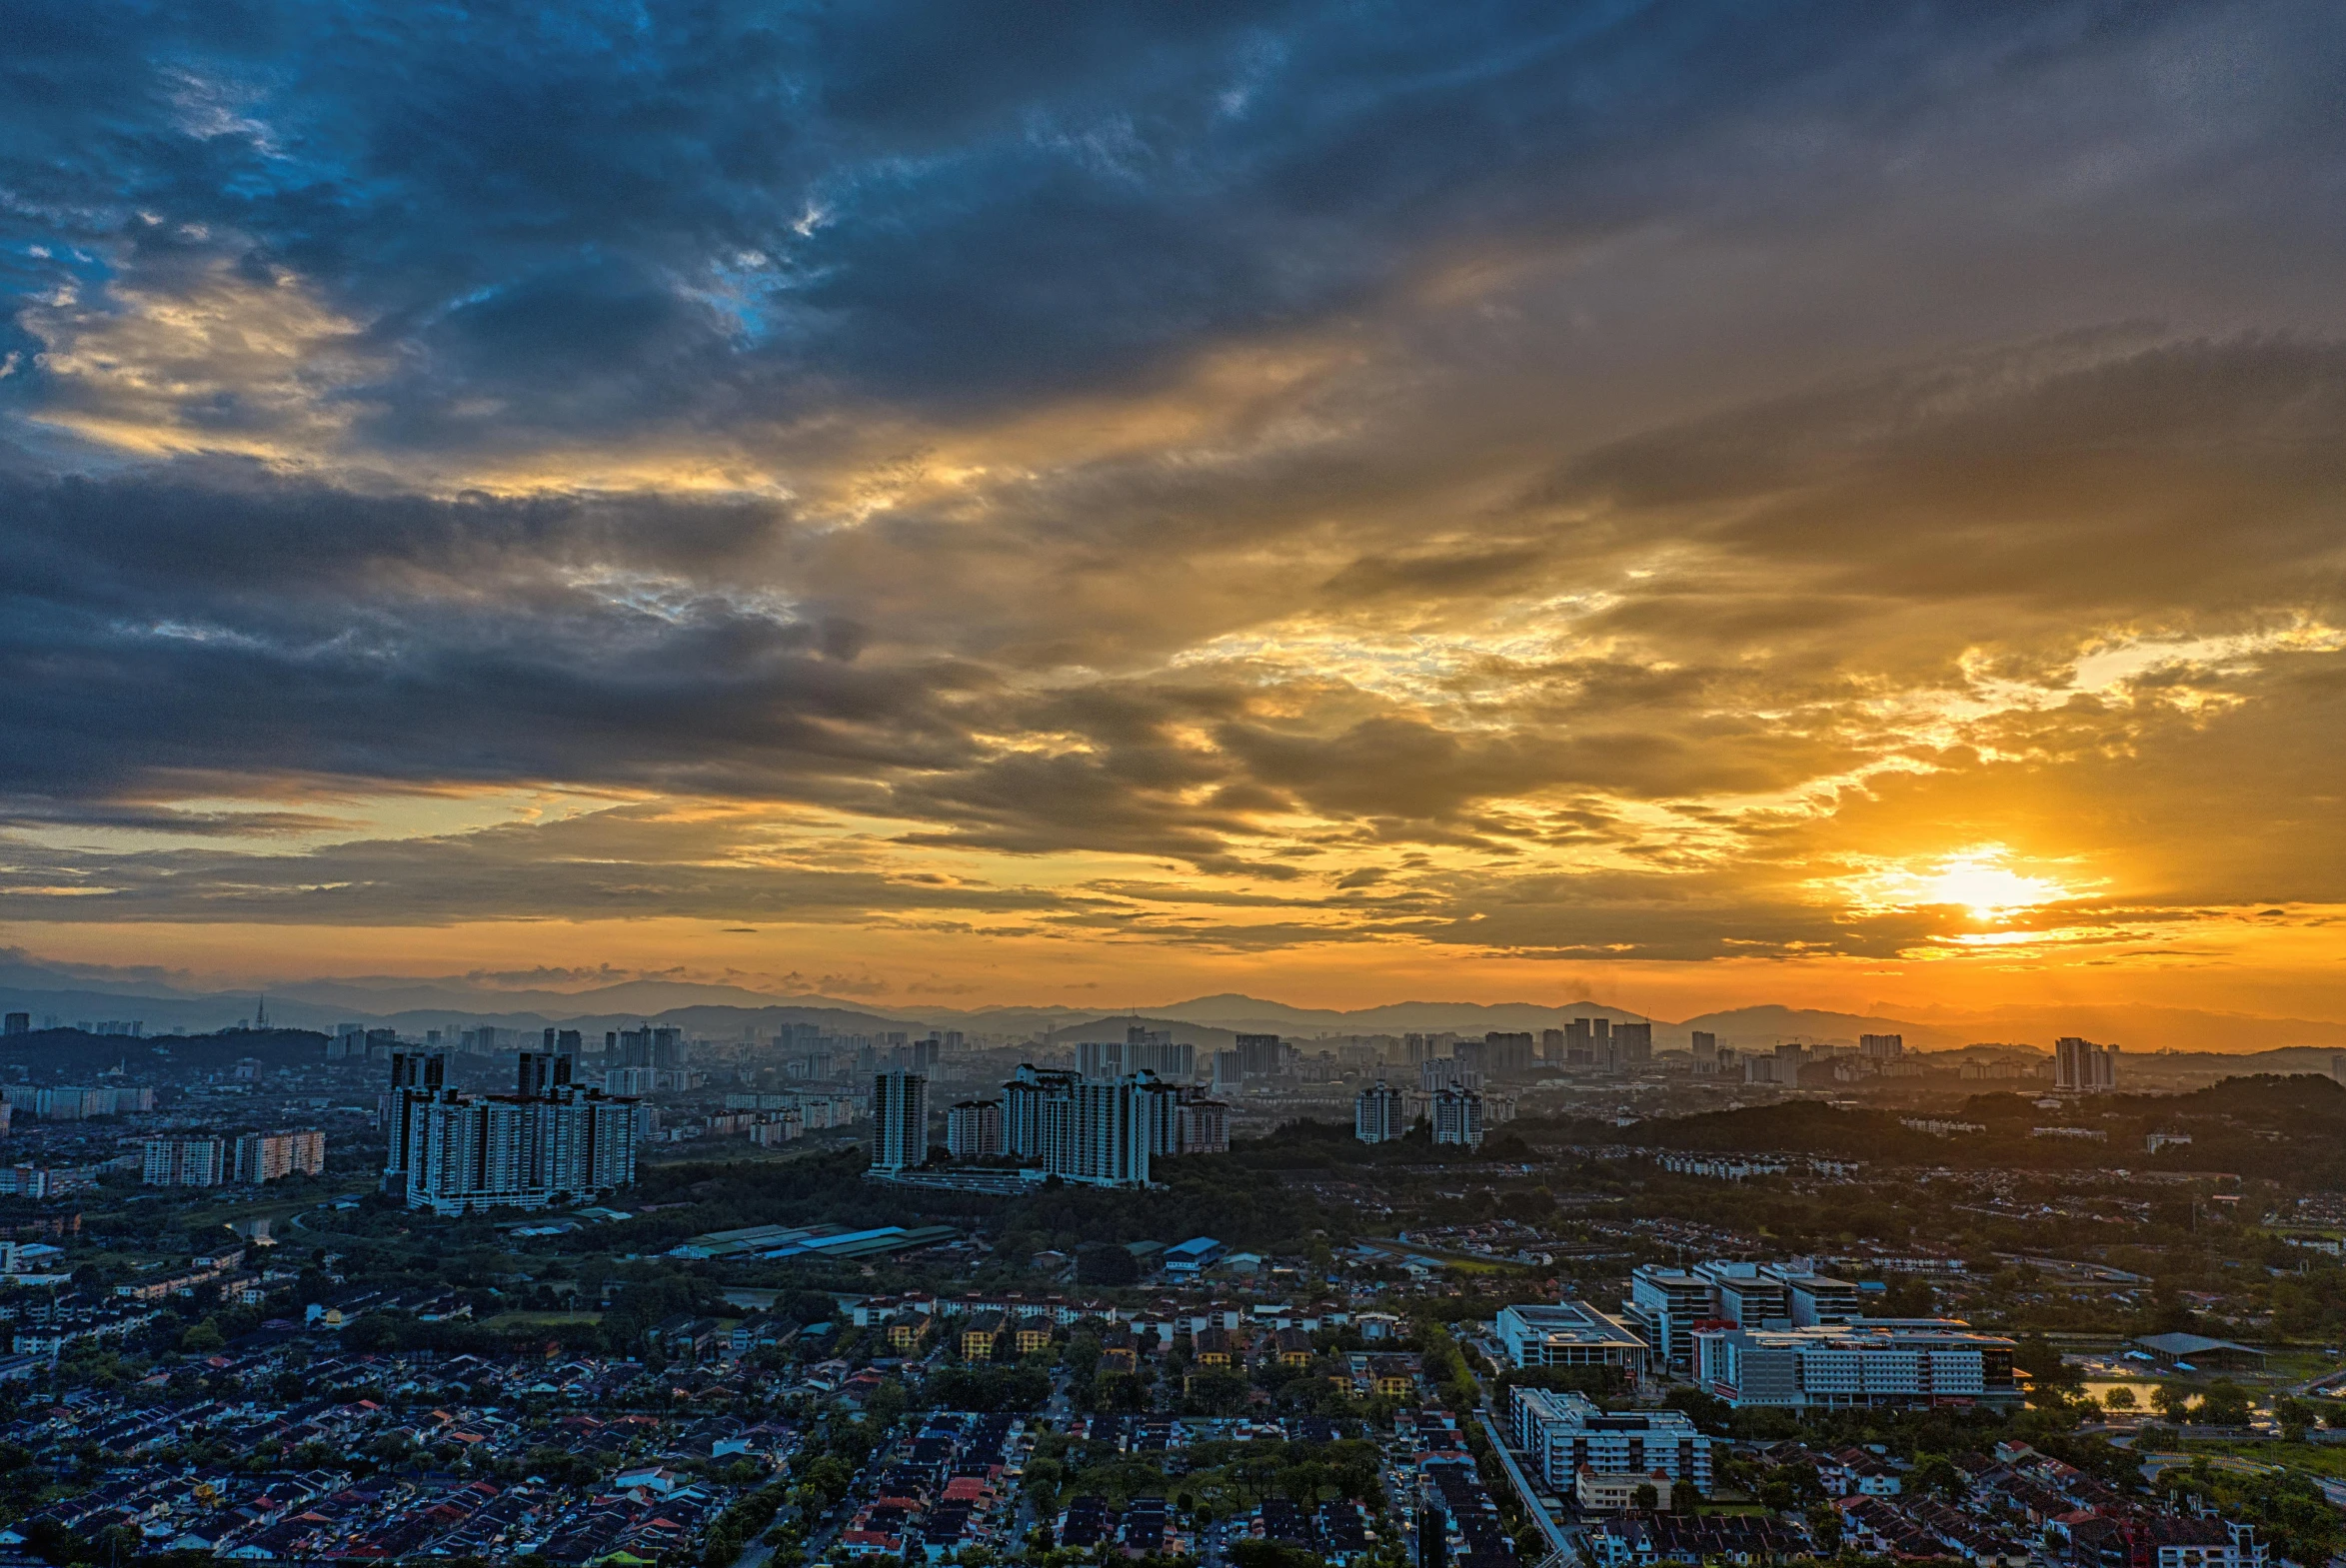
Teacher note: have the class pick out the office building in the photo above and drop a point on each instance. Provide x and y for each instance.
(1228, 1073)
(1570, 1333)
(1632, 1046)
(1458, 1118)
(1667, 1304)
(1706, 1049)
(2082, 1068)
(900, 1121)
(454, 1152)
(181, 1163)
(972, 1129)
(1911, 1362)
(1569, 1437)
(1378, 1116)
(17, 1023)
(1259, 1055)
(1881, 1047)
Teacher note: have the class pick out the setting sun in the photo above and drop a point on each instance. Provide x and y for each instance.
(1979, 881)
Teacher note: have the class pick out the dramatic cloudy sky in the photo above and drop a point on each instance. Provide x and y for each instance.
(1700, 502)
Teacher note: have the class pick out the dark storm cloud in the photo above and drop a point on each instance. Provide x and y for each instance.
(1283, 442)
(705, 206)
(152, 627)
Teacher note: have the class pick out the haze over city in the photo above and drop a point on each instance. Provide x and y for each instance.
(1683, 508)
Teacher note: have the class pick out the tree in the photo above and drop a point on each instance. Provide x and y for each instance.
(1646, 1498)
(1824, 1527)
(2171, 1400)
(1936, 1473)
(1686, 1497)
(2224, 1403)
(203, 1338)
(1107, 1267)
(2118, 1398)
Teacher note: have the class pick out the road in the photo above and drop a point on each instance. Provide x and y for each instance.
(1563, 1541)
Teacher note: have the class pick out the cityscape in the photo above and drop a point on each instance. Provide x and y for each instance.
(912, 784)
(836, 1295)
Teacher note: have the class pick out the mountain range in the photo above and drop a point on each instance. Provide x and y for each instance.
(76, 993)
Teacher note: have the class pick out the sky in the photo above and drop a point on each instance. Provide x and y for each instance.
(1676, 504)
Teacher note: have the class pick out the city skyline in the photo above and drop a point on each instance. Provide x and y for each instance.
(1687, 506)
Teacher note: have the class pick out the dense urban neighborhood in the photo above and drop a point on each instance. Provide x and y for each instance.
(275, 1295)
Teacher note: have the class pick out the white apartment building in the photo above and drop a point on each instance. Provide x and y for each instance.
(1880, 1362)
(1567, 1436)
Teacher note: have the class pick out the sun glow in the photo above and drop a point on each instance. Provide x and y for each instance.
(1979, 881)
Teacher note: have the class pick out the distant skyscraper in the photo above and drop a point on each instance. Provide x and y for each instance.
(1377, 1117)
(1229, 1074)
(1881, 1047)
(1259, 1055)
(1505, 1053)
(900, 1121)
(2082, 1068)
(17, 1023)
(542, 1070)
(1706, 1047)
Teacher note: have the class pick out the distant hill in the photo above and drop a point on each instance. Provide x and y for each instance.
(75, 993)
(1773, 1025)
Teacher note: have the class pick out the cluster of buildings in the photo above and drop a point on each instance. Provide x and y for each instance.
(1335, 1530)
(2017, 1507)
(772, 1119)
(1101, 1131)
(949, 1488)
(650, 1495)
(246, 1159)
(1603, 1460)
(1456, 1110)
(70, 1103)
(1668, 1304)
(2082, 1068)
(549, 1142)
(1767, 1335)
(1450, 1514)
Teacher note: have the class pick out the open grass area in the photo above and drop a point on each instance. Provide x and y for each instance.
(538, 1319)
(2320, 1459)
(2298, 1366)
